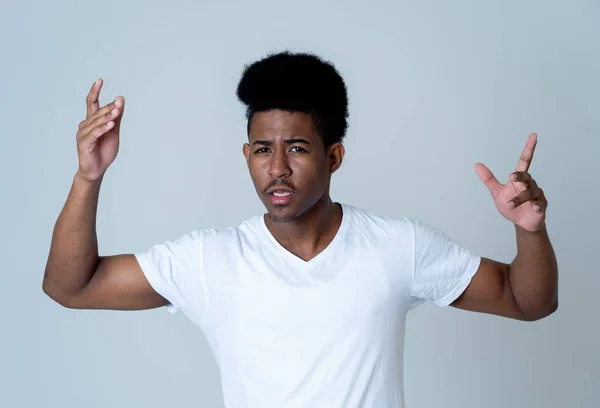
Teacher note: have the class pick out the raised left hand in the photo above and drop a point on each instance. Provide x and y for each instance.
(520, 200)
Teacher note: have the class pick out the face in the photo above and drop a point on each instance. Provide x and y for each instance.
(288, 163)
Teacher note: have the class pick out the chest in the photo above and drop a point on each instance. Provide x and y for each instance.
(276, 299)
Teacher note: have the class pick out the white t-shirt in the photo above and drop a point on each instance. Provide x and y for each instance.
(324, 333)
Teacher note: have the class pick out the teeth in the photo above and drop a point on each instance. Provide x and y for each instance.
(281, 194)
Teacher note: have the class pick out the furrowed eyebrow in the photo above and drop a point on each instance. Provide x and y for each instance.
(293, 141)
(262, 143)
(286, 141)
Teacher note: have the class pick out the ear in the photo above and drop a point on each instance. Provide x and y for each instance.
(246, 152)
(335, 155)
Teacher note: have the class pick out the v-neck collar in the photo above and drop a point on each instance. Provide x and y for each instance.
(339, 235)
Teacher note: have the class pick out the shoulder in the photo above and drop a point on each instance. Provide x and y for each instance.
(222, 236)
(382, 225)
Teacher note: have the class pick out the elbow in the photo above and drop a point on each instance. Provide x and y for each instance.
(541, 312)
(53, 292)
(47, 288)
(553, 308)
(49, 291)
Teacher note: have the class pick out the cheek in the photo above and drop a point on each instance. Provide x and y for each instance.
(257, 172)
(258, 164)
(311, 173)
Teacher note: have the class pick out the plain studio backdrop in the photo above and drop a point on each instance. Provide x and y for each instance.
(434, 87)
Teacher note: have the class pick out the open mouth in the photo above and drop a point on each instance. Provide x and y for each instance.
(281, 197)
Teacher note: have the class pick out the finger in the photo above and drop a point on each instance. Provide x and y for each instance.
(95, 133)
(92, 100)
(100, 113)
(103, 111)
(488, 179)
(107, 115)
(527, 154)
(522, 180)
(531, 194)
(120, 104)
(97, 120)
(84, 132)
(540, 205)
(520, 176)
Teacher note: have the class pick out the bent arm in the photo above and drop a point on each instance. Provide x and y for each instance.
(534, 274)
(526, 289)
(73, 255)
(75, 275)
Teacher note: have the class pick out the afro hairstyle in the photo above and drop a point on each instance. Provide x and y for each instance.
(297, 82)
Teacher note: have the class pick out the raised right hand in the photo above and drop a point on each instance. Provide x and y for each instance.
(98, 134)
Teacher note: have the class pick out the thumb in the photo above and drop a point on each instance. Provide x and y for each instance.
(488, 179)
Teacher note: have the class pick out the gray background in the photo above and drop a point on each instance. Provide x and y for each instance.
(434, 88)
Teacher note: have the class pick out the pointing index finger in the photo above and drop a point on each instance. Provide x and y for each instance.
(527, 154)
(92, 100)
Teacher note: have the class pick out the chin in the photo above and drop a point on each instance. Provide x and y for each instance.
(281, 213)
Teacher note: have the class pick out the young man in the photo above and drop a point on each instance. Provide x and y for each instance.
(304, 306)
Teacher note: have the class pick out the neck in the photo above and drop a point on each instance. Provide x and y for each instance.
(310, 233)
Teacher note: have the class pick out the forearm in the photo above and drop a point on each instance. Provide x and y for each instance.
(73, 253)
(533, 274)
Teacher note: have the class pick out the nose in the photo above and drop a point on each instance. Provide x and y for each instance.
(278, 165)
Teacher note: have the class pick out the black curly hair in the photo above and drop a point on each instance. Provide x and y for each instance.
(297, 82)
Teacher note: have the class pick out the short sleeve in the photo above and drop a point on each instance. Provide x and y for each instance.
(173, 269)
(442, 268)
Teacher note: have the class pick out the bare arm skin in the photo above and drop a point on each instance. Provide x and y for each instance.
(75, 275)
(527, 289)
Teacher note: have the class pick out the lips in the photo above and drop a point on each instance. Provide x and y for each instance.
(280, 196)
(281, 193)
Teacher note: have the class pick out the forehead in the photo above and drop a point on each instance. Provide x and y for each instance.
(281, 124)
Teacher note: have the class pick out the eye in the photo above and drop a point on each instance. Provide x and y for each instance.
(261, 150)
(298, 149)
